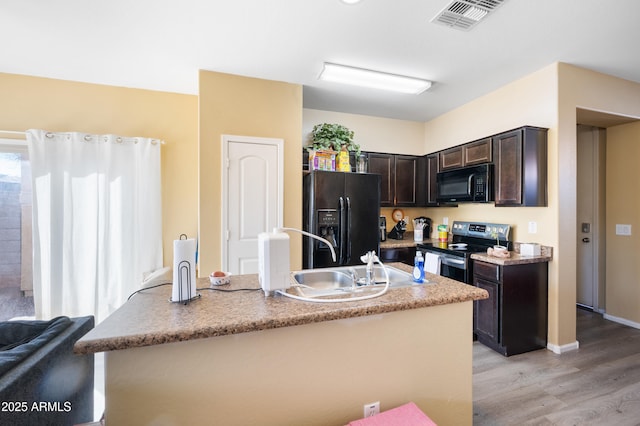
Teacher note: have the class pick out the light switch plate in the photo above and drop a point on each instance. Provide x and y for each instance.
(623, 229)
(533, 227)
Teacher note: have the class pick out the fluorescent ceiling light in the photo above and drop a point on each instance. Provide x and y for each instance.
(373, 79)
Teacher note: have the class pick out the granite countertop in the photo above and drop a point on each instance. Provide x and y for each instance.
(407, 241)
(148, 318)
(515, 258)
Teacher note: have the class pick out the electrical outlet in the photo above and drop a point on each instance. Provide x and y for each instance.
(533, 227)
(445, 220)
(371, 409)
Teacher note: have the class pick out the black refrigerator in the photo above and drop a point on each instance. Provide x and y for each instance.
(343, 208)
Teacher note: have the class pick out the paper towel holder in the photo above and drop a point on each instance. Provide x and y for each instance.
(184, 273)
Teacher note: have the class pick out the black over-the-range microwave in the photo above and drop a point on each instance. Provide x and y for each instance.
(466, 184)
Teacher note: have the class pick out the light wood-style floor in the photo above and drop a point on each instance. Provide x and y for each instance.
(598, 384)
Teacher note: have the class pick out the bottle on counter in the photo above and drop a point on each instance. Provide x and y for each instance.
(443, 233)
(418, 267)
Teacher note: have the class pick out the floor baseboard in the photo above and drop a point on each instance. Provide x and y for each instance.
(561, 349)
(622, 321)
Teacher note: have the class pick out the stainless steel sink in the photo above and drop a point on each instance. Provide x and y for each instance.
(348, 279)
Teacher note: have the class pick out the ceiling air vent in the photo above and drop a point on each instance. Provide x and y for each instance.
(465, 14)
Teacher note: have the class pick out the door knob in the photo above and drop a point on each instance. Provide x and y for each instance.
(586, 240)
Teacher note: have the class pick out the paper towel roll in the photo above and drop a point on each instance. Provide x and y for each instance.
(184, 270)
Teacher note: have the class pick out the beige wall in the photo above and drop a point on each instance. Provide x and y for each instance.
(375, 134)
(231, 104)
(547, 98)
(623, 207)
(57, 105)
(531, 100)
(313, 374)
(581, 88)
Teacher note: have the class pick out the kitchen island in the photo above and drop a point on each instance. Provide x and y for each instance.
(241, 358)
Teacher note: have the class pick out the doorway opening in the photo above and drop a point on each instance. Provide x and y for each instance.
(591, 220)
(591, 217)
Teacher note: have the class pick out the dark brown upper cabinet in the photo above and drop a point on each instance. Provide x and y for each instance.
(451, 158)
(520, 171)
(383, 164)
(469, 154)
(406, 178)
(399, 177)
(428, 167)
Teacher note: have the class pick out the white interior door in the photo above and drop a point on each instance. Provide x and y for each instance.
(252, 198)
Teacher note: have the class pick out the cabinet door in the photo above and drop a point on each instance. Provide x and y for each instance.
(508, 173)
(432, 172)
(486, 315)
(451, 158)
(383, 164)
(478, 152)
(406, 175)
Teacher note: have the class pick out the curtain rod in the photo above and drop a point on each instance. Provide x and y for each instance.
(13, 132)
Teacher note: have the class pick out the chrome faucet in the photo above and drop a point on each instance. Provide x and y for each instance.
(354, 277)
(371, 256)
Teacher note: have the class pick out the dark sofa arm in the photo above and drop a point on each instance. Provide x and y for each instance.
(52, 386)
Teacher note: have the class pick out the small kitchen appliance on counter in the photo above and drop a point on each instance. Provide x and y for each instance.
(467, 238)
(421, 228)
(383, 228)
(397, 232)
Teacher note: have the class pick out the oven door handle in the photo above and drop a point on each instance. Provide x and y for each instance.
(449, 260)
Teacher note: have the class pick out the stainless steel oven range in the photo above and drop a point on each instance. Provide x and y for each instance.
(467, 238)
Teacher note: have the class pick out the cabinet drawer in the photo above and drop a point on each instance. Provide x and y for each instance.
(487, 271)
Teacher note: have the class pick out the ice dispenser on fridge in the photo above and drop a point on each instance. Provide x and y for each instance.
(327, 227)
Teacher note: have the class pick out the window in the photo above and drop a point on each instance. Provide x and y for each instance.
(16, 285)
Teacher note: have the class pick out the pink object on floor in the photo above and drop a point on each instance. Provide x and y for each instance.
(405, 415)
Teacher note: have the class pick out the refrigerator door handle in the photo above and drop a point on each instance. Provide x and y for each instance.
(343, 231)
(348, 240)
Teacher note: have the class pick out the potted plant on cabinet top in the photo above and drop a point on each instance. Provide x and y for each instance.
(328, 142)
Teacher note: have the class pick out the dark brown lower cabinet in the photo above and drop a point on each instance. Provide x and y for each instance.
(513, 319)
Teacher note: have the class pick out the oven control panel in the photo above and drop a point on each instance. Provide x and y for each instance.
(481, 230)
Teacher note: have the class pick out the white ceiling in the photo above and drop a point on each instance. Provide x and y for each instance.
(161, 45)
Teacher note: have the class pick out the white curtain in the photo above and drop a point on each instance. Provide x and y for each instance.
(96, 220)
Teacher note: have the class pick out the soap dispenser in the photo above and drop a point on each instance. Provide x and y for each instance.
(418, 267)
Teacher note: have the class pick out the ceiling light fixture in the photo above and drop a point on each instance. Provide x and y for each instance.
(350, 1)
(373, 79)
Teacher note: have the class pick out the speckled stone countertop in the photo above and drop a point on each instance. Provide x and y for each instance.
(148, 318)
(515, 258)
(407, 241)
